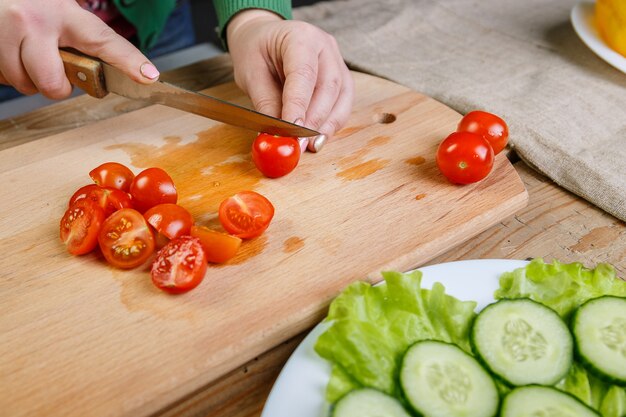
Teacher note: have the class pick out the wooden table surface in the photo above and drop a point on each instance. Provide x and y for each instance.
(555, 225)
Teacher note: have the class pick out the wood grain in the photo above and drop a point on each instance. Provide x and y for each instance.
(83, 338)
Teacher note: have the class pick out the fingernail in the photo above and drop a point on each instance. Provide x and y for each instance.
(316, 143)
(149, 71)
(299, 122)
(303, 142)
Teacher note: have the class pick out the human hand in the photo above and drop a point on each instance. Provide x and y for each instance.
(290, 69)
(32, 31)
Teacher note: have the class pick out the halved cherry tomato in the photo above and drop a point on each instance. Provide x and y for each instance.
(125, 239)
(246, 214)
(113, 175)
(487, 125)
(275, 156)
(218, 247)
(180, 266)
(465, 157)
(80, 226)
(152, 186)
(110, 199)
(170, 220)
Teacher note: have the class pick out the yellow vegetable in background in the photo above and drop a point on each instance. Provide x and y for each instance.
(611, 22)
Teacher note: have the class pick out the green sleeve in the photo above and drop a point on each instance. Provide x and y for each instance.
(149, 17)
(226, 9)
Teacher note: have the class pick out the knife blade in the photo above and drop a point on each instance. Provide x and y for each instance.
(98, 78)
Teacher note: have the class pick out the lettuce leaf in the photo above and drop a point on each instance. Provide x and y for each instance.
(373, 326)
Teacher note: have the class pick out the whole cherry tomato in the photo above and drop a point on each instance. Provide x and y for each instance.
(113, 175)
(80, 226)
(170, 220)
(465, 157)
(152, 186)
(487, 125)
(110, 199)
(219, 247)
(125, 239)
(246, 214)
(275, 156)
(180, 266)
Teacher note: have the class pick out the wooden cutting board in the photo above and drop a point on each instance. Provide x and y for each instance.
(79, 337)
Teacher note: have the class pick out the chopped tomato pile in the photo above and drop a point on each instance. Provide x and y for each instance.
(135, 219)
(467, 155)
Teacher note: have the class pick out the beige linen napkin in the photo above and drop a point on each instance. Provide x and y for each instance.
(566, 108)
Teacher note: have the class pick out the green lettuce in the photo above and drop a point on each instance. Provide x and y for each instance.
(372, 326)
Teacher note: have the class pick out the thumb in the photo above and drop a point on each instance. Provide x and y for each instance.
(93, 37)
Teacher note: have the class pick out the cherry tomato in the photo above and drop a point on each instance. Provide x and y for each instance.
(180, 266)
(109, 199)
(465, 157)
(125, 239)
(246, 214)
(152, 186)
(113, 175)
(169, 220)
(80, 226)
(275, 156)
(487, 125)
(218, 247)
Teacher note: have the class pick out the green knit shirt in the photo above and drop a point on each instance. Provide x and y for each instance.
(149, 16)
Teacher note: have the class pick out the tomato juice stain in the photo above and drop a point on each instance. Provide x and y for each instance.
(418, 160)
(293, 244)
(363, 170)
(378, 141)
(420, 196)
(249, 248)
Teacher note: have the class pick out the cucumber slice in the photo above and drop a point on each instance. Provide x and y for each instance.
(367, 402)
(441, 380)
(536, 400)
(599, 328)
(522, 342)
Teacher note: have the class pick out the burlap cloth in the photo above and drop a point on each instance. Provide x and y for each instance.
(521, 59)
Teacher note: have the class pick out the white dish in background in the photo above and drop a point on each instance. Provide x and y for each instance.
(582, 19)
(300, 387)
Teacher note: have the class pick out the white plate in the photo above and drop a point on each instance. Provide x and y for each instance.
(582, 19)
(300, 387)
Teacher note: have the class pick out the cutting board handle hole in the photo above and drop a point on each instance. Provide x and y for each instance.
(385, 118)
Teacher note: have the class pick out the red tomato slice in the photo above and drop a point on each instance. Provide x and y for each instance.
(113, 175)
(246, 214)
(80, 226)
(487, 125)
(275, 156)
(152, 186)
(110, 199)
(82, 192)
(180, 266)
(125, 239)
(465, 157)
(218, 247)
(170, 220)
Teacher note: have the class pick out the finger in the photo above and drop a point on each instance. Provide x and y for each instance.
(265, 93)
(342, 109)
(44, 66)
(13, 70)
(300, 66)
(326, 92)
(3, 80)
(95, 38)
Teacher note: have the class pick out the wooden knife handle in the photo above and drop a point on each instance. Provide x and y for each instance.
(84, 72)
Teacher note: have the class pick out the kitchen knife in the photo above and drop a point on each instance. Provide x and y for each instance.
(98, 78)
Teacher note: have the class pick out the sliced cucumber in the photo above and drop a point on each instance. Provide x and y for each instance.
(441, 380)
(367, 402)
(522, 342)
(599, 327)
(536, 400)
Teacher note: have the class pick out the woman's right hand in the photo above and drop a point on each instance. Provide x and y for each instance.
(32, 31)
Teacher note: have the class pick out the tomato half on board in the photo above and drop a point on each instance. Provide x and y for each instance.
(465, 157)
(170, 220)
(109, 199)
(219, 247)
(125, 239)
(151, 187)
(179, 266)
(487, 125)
(80, 226)
(246, 214)
(275, 156)
(113, 175)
